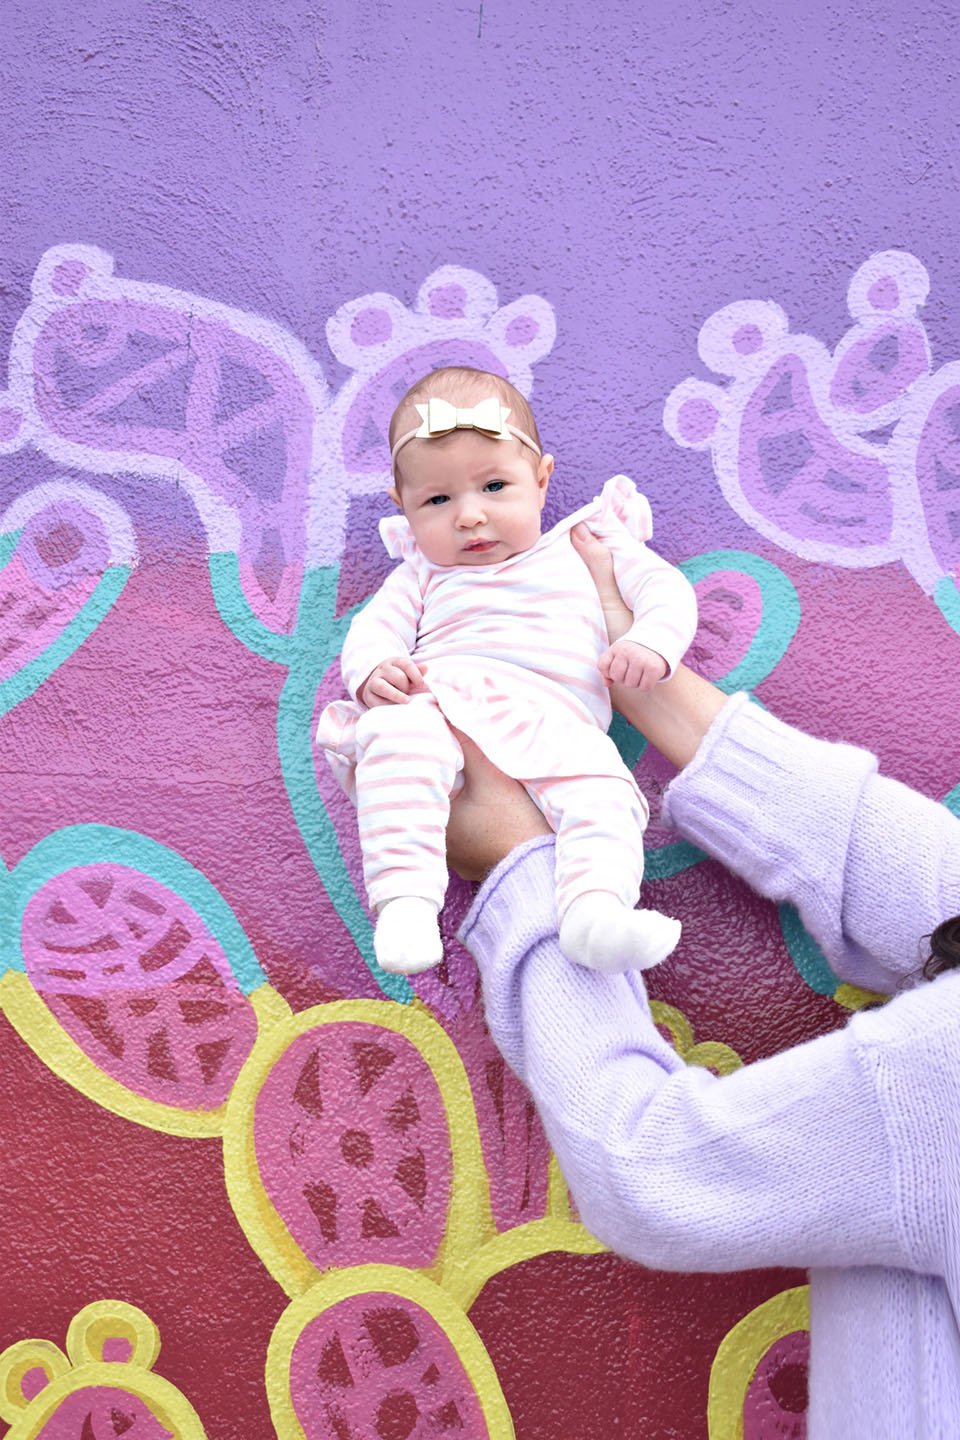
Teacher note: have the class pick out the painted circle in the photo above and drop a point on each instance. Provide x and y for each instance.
(380, 1366)
(371, 327)
(696, 420)
(353, 1147)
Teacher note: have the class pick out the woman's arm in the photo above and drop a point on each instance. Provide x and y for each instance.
(786, 1162)
(872, 866)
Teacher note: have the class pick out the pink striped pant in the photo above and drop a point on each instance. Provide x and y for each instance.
(409, 764)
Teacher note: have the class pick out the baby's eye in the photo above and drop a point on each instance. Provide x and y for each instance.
(494, 485)
(438, 499)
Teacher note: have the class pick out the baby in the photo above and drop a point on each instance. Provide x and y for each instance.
(495, 629)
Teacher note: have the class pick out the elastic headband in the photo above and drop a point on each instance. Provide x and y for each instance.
(439, 417)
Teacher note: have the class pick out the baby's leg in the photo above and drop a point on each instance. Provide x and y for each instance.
(599, 823)
(407, 765)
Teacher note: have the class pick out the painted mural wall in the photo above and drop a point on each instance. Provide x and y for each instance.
(251, 1184)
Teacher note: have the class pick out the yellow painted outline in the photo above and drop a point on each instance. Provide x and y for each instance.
(468, 1218)
(91, 1326)
(512, 1247)
(740, 1352)
(712, 1054)
(852, 997)
(409, 1285)
(109, 1319)
(15, 1361)
(37, 1026)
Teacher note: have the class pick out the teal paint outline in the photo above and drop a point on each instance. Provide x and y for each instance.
(317, 641)
(96, 844)
(234, 610)
(673, 859)
(809, 960)
(8, 544)
(779, 615)
(947, 598)
(952, 801)
(95, 608)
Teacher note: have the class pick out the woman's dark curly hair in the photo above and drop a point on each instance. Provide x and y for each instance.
(944, 948)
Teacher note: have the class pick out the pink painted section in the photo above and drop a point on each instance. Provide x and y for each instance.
(353, 1147)
(879, 367)
(516, 1154)
(775, 1406)
(102, 1413)
(729, 608)
(137, 980)
(32, 616)
(149, 379)
(381, 1367)
(938, 477)
(795, 471)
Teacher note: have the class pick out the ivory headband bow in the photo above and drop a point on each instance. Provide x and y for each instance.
(439, 417)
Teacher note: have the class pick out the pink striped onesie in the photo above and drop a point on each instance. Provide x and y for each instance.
(510, 652)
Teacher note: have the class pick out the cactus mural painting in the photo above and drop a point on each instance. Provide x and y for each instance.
(254, 1184)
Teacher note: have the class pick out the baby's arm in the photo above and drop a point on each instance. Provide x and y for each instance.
(375, 661)
(664, 617)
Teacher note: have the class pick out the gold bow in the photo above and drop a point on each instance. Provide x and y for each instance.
(440, 417)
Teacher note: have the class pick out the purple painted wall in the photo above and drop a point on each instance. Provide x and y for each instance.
(228, 235)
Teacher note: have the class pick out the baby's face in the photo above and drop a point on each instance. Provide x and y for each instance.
(472, 500)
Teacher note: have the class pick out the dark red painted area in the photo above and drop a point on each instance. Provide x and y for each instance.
(590, 1345)
(93, 1207)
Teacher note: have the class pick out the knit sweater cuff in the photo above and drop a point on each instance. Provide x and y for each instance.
(517, 898)
(776, 806)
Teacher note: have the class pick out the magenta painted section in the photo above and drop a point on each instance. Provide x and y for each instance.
(101, 1413)
(353, 1148)
(137, 980)
(379, 1365)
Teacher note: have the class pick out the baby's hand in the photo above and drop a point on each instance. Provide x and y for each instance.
(629, 663)
(391, 683)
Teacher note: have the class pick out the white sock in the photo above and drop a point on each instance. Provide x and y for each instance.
(599, 931)
(407, 937)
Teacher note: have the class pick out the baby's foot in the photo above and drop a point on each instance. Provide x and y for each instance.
(602, 933)
(407, 937)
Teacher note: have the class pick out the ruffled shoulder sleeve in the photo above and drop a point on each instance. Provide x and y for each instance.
(398, 538)
(620, 500)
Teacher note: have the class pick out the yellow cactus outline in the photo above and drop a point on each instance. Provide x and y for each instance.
(468, 1221)
(512, 1247)
(411, 1285)
(712, 1054)
(166, 1403)
(740, 1352)
(39, 1028)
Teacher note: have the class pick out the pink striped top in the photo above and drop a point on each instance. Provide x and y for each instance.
(512, 645)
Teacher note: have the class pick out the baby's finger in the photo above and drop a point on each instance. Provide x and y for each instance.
(385, 692)
(412, 672)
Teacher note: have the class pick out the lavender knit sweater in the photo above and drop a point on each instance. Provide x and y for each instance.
(842, 1154)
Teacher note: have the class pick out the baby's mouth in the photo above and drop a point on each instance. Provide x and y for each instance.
(477, 545)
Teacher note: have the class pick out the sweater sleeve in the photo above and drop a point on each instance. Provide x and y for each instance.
(785, 1162)
(871, 865)
(384, 628)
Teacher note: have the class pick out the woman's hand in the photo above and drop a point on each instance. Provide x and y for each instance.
(491, 815)
(676, 714)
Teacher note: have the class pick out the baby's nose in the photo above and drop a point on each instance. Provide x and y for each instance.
(470, 514)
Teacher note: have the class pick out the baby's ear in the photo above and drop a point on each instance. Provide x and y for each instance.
(544, 471)
(394, 494)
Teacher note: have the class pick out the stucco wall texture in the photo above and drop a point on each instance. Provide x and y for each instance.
(250, 1184)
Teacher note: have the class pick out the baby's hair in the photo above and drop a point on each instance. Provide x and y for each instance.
(462, 384)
